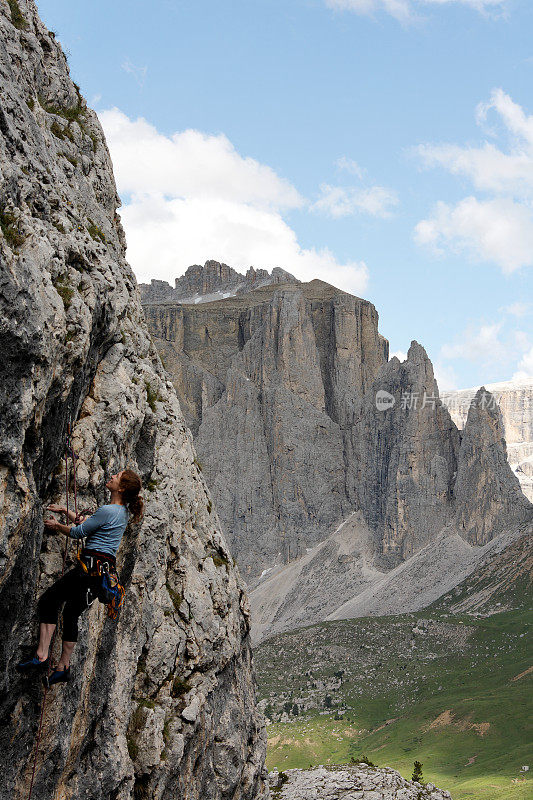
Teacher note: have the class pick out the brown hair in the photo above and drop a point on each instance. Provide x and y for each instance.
(131, 485)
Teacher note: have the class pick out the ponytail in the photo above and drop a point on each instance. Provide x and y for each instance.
(131, 485)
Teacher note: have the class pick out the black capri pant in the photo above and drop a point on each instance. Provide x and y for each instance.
(77, 591)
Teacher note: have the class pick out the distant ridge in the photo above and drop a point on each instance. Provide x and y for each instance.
(212, 281)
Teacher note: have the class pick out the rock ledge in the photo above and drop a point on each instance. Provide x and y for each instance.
(360, 782)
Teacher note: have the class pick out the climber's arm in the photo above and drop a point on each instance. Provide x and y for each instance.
(54, 525)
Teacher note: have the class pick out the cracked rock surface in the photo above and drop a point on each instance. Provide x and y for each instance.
(162, 702)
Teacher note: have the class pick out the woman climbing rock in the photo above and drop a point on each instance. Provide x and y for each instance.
(79, 587)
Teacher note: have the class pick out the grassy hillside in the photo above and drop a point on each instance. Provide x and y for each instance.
(452, 691)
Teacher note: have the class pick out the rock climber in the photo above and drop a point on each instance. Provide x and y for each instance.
(80, 586)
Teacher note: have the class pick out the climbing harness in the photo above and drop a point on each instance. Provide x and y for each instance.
(103, 565)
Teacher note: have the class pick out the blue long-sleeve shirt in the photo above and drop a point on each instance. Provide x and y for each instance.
(103, 529)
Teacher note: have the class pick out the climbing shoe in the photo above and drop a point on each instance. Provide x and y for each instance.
(57, 676)
(33, 665)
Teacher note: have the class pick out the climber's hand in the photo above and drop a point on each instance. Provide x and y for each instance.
(57, 509)
(51, 523)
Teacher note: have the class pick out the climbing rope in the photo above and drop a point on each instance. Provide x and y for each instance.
(68, 451)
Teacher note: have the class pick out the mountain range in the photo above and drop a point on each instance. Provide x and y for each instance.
(339, 475)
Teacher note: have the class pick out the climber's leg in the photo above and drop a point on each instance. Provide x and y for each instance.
(66, 653)
(49, 604)
(78, 601)
(61, 673)
(46, 631)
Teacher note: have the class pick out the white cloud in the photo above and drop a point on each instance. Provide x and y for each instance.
(477, 345)
(517, 309)
(139, 73)
(488, 345)
(498, 230)
(166, 236)
(351, 166)
(400, 355)
(340, 201)
(445, 376)
(521, 339)
(525, 368)
(192, 196)
(403, 9)
(189, 164)
(488, 167)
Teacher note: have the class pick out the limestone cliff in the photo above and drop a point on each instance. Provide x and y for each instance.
(404, 458)
(268, 382)
(487, 493)
(415, 472)
(285, 383)
(162, 703)
(515, 400)
(431, 502)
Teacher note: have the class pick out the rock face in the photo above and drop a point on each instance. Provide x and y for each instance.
(162, 703)
(286, 382)
(211, 282)
(268, 382)
(414, 472)
(487, 493)
(431, 501)
(360, 782)
(515, 400)
(404, 458)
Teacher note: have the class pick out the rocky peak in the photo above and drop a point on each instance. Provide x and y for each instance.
(212, 281)
(404, 450)
(487, 493)
(515, 399)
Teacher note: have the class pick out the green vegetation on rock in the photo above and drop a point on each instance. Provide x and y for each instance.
(16, 16)
(95, 232)
(10, 231)
(64, 289)
(152, 395)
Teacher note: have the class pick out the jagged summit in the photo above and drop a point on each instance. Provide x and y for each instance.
(515, 401)
(212, 281)
(487, 492)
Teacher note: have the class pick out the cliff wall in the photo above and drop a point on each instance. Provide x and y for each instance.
(161, 703)
(270, 380)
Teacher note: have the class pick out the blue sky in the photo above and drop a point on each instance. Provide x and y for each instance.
(383, 145)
